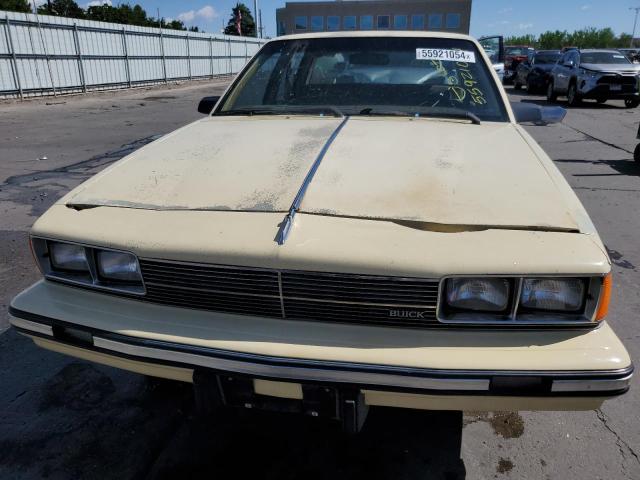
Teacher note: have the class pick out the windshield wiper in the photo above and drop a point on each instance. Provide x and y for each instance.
(285, 110)
(430, 113)
(454, 114)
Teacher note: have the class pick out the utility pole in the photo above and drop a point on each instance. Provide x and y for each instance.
(635, 24)
(256, 22)
(260, 23)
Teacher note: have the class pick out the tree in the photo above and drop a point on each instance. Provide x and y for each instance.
(623, 40)
(553, 40)
(529, 40)
(15, 6)
(247, 24)
(61, 8)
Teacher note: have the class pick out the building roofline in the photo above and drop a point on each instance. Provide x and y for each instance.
(376, 33)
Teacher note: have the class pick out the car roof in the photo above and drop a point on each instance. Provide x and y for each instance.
(546, 52)
(375, 34)
(597, 50)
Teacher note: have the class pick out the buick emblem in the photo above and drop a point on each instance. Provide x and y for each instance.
(406, 314)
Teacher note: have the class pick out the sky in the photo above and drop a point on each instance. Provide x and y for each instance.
(487, 17)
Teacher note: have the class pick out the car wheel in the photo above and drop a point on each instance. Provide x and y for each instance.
(517, 85)
(573, 97)
(530, 87)
(631, 103)
(636, 154)
(552, 96)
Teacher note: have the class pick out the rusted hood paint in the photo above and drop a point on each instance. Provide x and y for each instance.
(420, 171)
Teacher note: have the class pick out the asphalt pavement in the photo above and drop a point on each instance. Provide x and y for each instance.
(62, 418)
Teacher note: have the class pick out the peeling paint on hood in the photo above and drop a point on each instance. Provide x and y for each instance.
(447, 173)
(422, 172)
(222, 164)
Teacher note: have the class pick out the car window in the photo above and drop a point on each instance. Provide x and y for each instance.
(574, 57)
(546, 58)
(604, 57)
(375, 74)
(516, 51)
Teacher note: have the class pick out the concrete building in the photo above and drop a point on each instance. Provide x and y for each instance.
(323, 16)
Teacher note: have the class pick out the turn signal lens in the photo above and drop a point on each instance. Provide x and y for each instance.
(605, 298)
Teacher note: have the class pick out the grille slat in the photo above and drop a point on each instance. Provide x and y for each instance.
(317, 296)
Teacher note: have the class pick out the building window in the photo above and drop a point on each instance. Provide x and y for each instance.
(282, 28)
(333, 23)
(349, 23)
(301, 23)
(366, 22)
(384, 21)
(453, 20)
(435, 21)
(400, 22)
(317, 23)
(417, 22)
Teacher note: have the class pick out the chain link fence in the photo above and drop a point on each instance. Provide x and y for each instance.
(45, 55)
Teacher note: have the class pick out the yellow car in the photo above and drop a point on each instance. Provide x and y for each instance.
(359, 220)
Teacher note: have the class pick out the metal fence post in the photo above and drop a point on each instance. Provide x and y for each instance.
(211, 55)
(245, 51)
(164, 60)
(16, 73)
(230, 61)
(79, 54)
(188, 57)
(126, 56)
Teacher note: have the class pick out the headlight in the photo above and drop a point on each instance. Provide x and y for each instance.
(118, 266)
(68, 257)
(88, 266)
(588, 73)
(553, 294)
(514, 301)
(478, 294)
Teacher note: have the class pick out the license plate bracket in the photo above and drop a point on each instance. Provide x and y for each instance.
(214, 390)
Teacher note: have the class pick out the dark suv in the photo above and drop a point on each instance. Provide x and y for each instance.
(596, 74)
(535, 73)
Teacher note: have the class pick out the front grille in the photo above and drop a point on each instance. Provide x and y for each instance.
(232, 290)
(618, 80)
(328, 297)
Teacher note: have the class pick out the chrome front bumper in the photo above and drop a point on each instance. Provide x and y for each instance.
(364, 376)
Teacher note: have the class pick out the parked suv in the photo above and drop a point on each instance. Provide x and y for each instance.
(535, 73)
(514, 55)
(596, 74)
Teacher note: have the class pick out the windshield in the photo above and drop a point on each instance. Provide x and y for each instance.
(546, 58)
(368, 76)
(603, 57)
(517, 51)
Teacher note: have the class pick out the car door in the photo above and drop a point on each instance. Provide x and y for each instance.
(569, 68)
(561, 73)
(494, 47)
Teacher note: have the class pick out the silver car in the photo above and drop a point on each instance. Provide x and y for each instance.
(600, 75)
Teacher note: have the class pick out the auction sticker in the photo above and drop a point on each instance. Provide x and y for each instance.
(445, 55)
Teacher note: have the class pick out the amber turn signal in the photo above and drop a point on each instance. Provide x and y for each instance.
(605, 298)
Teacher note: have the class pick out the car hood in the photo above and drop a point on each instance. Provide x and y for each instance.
(611, 67)
(422, 172)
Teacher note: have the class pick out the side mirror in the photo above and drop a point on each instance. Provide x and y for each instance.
(206, 104)
(569, 64)
(531, 113)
